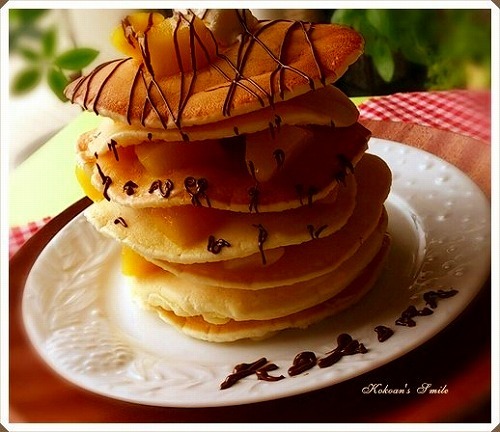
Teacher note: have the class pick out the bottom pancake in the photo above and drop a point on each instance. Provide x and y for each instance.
(197, 327)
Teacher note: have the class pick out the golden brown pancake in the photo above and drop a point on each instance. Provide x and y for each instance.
(217, 304)
(150, 232)
(273, 61)
(325, 156)
(230, 331)
(287, 265)
(181, 234)
(325, 106)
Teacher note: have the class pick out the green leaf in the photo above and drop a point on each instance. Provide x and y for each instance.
(28, 54)
(26, 80)
(349, 17)
(383, 59)
(26, 15)
(379, 20)
(49, 40)
(57, 82)
(76, 59)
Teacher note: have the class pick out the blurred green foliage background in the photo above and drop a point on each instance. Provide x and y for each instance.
(409, 49)
(39, 47)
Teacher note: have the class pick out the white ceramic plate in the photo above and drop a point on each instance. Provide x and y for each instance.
(81, 319)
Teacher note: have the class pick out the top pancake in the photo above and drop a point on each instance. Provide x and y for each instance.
(272, 61)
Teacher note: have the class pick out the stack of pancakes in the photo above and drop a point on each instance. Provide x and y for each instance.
(238, 186)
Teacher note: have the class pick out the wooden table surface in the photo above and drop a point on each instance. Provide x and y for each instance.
(37, 394)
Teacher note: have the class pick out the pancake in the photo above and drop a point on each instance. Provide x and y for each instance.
(325, 106)
(287, 265)
(181, 234)
(272, 61)
(316, 164)
(218, 305)
(232, 172)
(197, 327)
(153, 232)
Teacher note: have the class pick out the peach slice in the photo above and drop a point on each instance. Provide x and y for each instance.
(161, 157)
(134, 264)
(86, 185)
(267, 153)
(166, 46)
(189, 225)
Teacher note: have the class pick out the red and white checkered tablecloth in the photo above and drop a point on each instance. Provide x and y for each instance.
(19, 235)
(460, 111)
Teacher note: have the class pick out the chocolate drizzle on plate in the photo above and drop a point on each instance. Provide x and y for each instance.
(430, 298)
(302, 362)
(242, 370)
(406, 318)
(263, 373)
(383, 333)
(346, 345)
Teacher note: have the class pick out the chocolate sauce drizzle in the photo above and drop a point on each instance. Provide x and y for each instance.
(112, 147)
(346, 345)
(145, 74)
(242, 370)
(261, 240)
(196, 188)
(279, 157)
(86, 82)
(106, 181)
(251, 167)
(383, 333)
(406, 318)
(311, 191)
(253, 193)
(164, 188)
(346, 168)
(315, 233)
(215, 246)
(302, 362)
(431, 297)
(121, 221)
(263, 373)
(130, 187)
